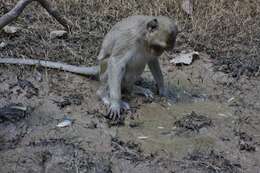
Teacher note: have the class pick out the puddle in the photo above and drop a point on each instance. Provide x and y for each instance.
(157, 125)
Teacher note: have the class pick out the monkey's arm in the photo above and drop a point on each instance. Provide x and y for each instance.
(55, 65)
(158, 76)
(116, 71)
(115, 75)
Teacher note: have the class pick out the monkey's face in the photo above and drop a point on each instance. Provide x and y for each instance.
(161, 35)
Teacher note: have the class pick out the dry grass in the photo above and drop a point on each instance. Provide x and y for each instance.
(227, 30)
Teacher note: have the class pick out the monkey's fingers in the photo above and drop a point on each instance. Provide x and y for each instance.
(148, 94)
(110, 113)
(143, 91)
(116, 116)
(113, 114)
(125, 106)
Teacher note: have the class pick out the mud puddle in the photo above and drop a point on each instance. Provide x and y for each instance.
(157, 130)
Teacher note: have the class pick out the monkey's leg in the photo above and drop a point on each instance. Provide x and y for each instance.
(142, 91)
(158, 76)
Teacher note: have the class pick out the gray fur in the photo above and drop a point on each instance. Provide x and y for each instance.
(127, 48)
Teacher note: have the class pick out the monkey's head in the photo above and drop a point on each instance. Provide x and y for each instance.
(161, 34)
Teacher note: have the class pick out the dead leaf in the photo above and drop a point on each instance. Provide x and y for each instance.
(187, 6)
(10, 29)
(58, 34)
(185, 58)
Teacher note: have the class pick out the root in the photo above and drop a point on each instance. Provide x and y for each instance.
(21, 4)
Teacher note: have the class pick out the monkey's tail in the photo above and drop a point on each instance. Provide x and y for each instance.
(90, 71)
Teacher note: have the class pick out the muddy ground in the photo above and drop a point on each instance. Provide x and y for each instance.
(210, 123)
(212, 126)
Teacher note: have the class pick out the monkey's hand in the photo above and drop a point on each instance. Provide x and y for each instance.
(143, 91)
(116, 109)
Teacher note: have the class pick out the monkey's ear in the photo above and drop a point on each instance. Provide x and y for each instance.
(152, 25)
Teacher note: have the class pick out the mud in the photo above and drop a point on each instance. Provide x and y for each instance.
(212, 125)
(13, 112)
(192, 122)
(209, 123)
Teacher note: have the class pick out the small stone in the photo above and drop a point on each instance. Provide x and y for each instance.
(58, 34)
(142, 137)
(222, 115)
(10, 29)
(3, 45)
(160, 127)
(203, 130)
(234, 101)
(231, 99)
(65, 123)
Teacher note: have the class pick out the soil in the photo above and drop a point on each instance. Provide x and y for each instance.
(210, 122)
(211, 126)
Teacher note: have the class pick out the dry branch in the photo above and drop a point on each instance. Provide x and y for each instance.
(19, 7)
(89, 71)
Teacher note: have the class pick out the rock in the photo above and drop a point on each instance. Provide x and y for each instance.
(65, 123)
(203, 131)
(58, 34)
(185, 58)
(234, 101)
(142, 137)
(3, 45)
(10, 29)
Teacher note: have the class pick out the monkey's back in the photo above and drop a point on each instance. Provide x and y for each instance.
(124, 35)
(129, 33)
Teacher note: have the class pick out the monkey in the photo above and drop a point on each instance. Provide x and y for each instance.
(127, 48)
(130, 45)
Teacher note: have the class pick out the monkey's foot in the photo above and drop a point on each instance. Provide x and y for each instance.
(116, 109)
(143, 91)
(124, 105)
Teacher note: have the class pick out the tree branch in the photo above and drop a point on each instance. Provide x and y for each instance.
(21, 4)
(89, 71)
(14, 13)
(54, 12)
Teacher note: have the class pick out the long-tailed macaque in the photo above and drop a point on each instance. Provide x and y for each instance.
(127, 48)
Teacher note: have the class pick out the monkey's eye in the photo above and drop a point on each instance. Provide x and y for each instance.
(152, 25)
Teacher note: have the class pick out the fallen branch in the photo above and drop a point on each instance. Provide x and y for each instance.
(21, 4)
(89, 71)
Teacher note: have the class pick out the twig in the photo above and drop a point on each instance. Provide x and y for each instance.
(14, 13)
(19, 7)
(90, 71)
(54, 12)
